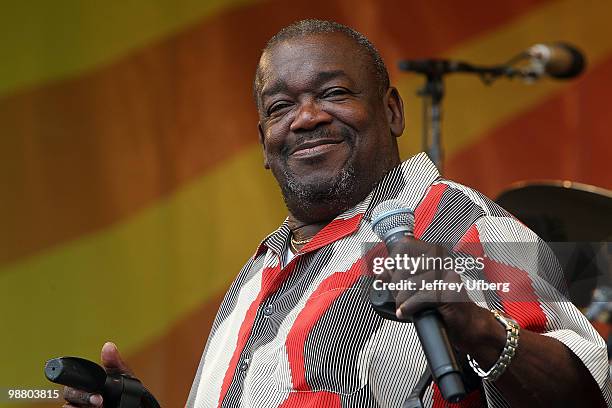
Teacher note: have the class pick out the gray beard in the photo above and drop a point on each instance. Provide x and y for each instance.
(305, 200)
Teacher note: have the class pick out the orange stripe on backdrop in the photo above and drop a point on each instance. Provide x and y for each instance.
(566, 136)
(81, 154)
(168, 365)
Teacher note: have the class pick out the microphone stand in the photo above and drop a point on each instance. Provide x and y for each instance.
(432, 93)
(415, 399)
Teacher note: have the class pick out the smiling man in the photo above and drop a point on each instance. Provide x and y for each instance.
(296, 329)
(328, 128)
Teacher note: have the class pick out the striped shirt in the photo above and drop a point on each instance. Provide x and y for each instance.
(305, 335)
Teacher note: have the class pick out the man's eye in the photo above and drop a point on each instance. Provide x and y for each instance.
(335, 92)
(277, 107)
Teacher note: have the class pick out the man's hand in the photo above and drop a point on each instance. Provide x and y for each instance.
(113, 364)
(455, 307)
(543, 372)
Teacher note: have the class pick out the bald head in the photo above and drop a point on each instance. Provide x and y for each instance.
(311, 27)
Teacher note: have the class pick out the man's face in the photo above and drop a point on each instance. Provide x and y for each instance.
(326, 130)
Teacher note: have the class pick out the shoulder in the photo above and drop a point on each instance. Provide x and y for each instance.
(454, 195)
(449, 210)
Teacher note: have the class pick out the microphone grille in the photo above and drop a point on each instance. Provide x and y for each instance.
(390, 215)
(576, 65)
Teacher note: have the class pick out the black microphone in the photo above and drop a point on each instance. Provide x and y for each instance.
(117, 390)
(558, 60)
(392, 221)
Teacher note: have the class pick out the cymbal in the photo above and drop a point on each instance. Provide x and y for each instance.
(576, 213)
(560, 210)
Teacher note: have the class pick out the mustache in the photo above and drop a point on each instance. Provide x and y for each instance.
(320, 133)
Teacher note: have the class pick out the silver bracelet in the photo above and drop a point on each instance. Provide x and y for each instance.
(512, 336)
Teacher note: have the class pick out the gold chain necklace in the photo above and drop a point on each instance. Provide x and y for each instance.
(302, 242)
(295, 243)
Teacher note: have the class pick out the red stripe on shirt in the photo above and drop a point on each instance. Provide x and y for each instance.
(318, 303)
(527, 312)
(333, 231)
(472, 400)
(271, 280)
(273, 277)
(311, 400)
(521, 302)
(427, 209)
(470, 243)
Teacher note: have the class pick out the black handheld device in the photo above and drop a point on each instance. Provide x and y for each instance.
(117, 390)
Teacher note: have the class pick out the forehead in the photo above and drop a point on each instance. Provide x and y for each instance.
(302, 60)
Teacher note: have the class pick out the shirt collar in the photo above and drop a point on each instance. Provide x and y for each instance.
(407, 183)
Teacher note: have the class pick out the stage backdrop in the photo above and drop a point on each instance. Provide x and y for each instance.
(132, 184)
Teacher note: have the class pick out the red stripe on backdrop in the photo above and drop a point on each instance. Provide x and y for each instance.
(565, 137)
(427, 209)
(84, 153)
(335, 285)
(428, 28)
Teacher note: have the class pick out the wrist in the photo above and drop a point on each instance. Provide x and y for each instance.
(512, 330)
(482, 337)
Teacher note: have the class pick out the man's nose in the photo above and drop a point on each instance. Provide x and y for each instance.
(309, 116)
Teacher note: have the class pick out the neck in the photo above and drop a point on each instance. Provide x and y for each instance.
(309, 226)
(303, 231)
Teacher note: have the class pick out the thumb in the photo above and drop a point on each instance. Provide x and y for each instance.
(112, 361)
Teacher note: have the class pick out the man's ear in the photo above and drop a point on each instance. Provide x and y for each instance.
(395, 111)
(263, 146)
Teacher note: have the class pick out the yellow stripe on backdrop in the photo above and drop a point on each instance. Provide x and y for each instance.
(470, 108)
(132, 281)
(45, 40)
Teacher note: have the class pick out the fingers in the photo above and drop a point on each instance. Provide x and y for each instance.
(75, 406)
(80, 398)
(418, 302)
(427, 284)
(419, 282)
(421, 275)
(112, 361)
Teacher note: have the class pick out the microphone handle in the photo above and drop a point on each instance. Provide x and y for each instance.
(431, 332)
(440, 356)
(118, 391)
(77, 373)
